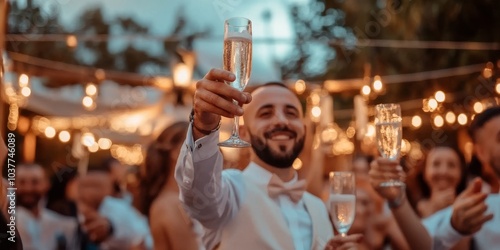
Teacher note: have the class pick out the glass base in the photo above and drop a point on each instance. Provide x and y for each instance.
(234, 142)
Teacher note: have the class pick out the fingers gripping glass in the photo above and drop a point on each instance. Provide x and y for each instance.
(342, 200)
(237, 58)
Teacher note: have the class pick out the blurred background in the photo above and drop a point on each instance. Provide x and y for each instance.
(87, 80)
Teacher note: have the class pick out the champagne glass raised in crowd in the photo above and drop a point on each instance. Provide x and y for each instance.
(237, 58)
(389, 135)
(342, 200)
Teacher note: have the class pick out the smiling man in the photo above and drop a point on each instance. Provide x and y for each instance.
(265, 206)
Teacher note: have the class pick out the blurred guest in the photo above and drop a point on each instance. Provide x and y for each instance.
(118, 173)
(109, 222)
(361, 166)
(159, 194)
(15, 242)
(379, 228)
(434, 184)
(40, 228)
(471, 214)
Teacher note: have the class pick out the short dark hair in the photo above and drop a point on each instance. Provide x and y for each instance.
(481, 119)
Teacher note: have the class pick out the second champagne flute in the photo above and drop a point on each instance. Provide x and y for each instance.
(237, 58)
(342, 200)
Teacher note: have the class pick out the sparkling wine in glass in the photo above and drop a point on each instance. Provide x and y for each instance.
(237, 58)
(342, 200)
(389, 133)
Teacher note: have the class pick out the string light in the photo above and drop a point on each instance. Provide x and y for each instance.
(300, 86)
(64, 136)
(478, 107)
(377, 84)
(50, 132)
(440, 96)
(297, 164)
(104, 143)
(93, 148)
(497, 87)
(71, 41)
(416, 121)
(88, 139)
(462, 119)
(23, 80)
(25, 91)
(366, 90)
(438, 121)
(433, 104)
(316, 112)
(450, 117)
(91, 89)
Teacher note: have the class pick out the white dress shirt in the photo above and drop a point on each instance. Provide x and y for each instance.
(445, 237)
(130, 228)
(224, 191)
(44, 232)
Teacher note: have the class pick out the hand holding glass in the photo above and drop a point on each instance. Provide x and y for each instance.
(342, 201)
(237, 58)
(389, 135)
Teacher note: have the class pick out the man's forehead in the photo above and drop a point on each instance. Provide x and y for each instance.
(269, 95)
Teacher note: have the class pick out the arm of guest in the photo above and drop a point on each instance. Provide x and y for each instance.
(439, 227)
(210, 195)
(415, 233)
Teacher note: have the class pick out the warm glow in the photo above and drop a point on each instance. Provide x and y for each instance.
(433, 104)
(438, 121)
(478, 107)
(350, 132)
(405, 146)
(440, 96)
(316, 112)
(91, 89)
(377, 84)
(182, 75)
(23, 80)
(497, 87)
(416, 121)
(462, 119)
(450, 117)
(300, 86)
(50, 132)
(64, 136)
(366, 90)
(93, 148)
(88, 139)
(297, 164)
(87, 101)
(370, 130)
(104, 143)
(71, 41)
(25, 91)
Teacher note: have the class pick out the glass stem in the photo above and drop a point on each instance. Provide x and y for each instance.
(236, 125)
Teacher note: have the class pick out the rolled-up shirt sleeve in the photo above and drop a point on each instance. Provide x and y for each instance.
(210, 195)
(444, 236)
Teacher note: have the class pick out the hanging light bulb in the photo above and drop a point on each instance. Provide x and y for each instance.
(416, 121)
(366, 90)
(377, 84)
(438, 121)
(91, 89)
(440, 96)
(64, 136)
(23, 80)
(450, 117)
(300, 86)
(462, 119)
(478, 107)
(433, 104)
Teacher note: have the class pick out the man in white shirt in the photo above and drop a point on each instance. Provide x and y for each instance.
(474, 213)
(40, 228)
(264, 206)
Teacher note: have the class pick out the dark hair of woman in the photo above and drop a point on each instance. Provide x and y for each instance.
(158, 165)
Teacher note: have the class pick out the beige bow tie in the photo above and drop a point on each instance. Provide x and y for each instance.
(294, 191)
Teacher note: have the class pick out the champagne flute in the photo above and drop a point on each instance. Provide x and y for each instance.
(237, 58)
(342, 200)
(389, 135)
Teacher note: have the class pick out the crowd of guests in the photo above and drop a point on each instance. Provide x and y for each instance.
(185, 199)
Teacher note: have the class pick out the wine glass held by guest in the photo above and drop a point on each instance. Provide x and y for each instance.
(158, 198)
(264, 206)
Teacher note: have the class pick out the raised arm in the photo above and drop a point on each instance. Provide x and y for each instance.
(209, 195)
(408, 221)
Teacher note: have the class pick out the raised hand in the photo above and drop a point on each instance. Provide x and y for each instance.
(349, 242)
(469, 209)
(383, 170)
(213, 98)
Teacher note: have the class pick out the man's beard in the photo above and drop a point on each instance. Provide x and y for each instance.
(266, 154)
(28, 201)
